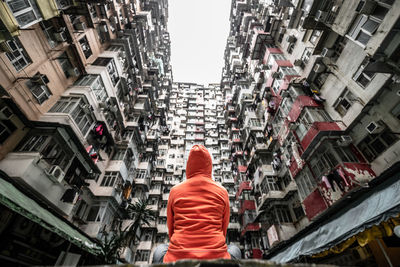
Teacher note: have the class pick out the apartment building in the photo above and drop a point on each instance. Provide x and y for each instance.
(84, 97)
(312, 110)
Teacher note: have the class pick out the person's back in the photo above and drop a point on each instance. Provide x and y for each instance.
(198, 213)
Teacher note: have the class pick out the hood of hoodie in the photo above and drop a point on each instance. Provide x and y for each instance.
(199, 162)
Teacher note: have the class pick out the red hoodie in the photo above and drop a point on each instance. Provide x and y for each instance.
(197, 213)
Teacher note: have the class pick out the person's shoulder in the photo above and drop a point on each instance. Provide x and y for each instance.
(220, 187)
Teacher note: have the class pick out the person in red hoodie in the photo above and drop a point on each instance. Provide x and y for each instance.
(197, 215)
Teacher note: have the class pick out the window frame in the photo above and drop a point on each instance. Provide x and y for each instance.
(15, 61)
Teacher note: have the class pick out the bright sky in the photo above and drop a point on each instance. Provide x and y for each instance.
(198, 30)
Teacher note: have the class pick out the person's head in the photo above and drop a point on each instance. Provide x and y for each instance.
(199, 162)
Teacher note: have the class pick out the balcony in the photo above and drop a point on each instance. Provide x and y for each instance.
(162, 228)
(145, 182)
(155, 191)
(247, 205)
(118, 166)
(265, 198)
(354, 175)
(29, 169)
(250, 227)
(319, 131)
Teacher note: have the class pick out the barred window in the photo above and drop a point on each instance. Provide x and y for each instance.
(110, 178)
(17, 55)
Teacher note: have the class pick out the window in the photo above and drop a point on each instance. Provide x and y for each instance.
(110, 178)
(374, 145)
(142, 255)
(25, 12)
(141, 174)
(6, 126)
(291, 47)
(361, 77)
(96, 85)
(282, 214)
(269, 184)
(53, 152)
(364, 26)
(81, 209)
(314, 36)
(323, 160)
(307, 53)
(345, 154)
(95, 214)
(79, 110)
(305, 123)
(17, 55)
(65, 64)
(298, 212)
(344, 102)
(162, 220)
(305, 183)
(119, 154)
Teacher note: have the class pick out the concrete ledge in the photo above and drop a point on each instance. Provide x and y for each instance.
(221, 263)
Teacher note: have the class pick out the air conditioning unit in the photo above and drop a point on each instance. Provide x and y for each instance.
(103, 28)
(319, 68)
(56, 174)
(321, 16)
(40, 79)
(291, 39)
(60, 36)
(366, 7)
(374, 127)
(298, 63)
(80, 26)
(5, 113)
(327, 52)
(74, 72)
(344, 140)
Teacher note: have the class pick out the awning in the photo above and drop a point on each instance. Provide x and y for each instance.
(15, 200)
(376, 205)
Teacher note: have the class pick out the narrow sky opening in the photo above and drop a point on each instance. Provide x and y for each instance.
(198, 30)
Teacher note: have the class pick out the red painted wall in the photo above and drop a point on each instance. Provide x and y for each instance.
(314, 204)
(317, 127)
(298, 105)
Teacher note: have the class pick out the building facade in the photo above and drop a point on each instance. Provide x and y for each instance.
(312, 109)
(306, 117)
(84, 88)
